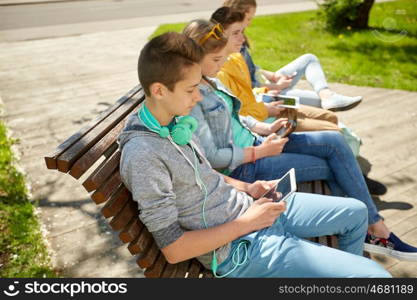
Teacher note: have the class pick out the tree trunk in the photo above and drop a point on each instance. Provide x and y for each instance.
(364, 9)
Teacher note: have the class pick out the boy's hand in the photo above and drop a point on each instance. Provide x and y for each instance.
(262, 213)
(259, 188)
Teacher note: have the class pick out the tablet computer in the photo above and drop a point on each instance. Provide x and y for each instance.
(285, 187)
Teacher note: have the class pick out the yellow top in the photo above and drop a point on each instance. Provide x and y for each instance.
(236, 77)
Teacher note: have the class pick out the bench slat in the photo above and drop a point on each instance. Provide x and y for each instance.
(194, 269)
(207, 274)
(169, 271)
(51, 159)
(304, 187)
(96, 151)
(122, 219)
(131, 231)
(117, 201)
(102, 172)
(317, 187)
(332, 241)
(149, 256)
(104, 192)
(141, 243)
(182, 269)
(67, 158)
(322, 240)
(326, 189)
(109, 152)
(157, 268)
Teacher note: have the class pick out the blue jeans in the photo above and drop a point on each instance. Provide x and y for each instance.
(316, 155)
(281, 251)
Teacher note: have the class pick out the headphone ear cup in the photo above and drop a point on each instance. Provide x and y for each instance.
(181, 134)
(190, 121)
(164, 132)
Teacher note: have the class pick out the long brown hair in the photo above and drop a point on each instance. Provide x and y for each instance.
(227, 16)
(240, 5)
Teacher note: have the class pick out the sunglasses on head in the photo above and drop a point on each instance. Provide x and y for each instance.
(216, 32)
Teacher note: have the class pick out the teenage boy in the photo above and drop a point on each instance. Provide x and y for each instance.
(193, 211)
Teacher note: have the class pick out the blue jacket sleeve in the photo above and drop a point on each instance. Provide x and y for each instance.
(220, 158)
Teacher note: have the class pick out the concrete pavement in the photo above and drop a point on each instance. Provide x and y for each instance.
(26, 2)
(59, 30)
(53, 87)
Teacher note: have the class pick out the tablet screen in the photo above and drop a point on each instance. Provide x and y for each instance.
(284, 186)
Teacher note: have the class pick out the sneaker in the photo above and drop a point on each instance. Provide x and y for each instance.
(375, 188)
(338, 102)
(392, 246)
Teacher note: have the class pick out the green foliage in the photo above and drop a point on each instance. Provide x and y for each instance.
(22, 252)
(377, 57)
(178, 27)
(338, 14)
(12, 183)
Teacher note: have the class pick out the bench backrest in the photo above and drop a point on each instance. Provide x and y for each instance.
(92, 153)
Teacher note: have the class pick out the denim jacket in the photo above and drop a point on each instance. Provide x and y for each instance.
(215, 127)
(251, 65)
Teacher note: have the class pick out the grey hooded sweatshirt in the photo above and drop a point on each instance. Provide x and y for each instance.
(163, 182)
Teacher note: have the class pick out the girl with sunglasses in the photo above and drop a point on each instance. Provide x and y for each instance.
(234, 74)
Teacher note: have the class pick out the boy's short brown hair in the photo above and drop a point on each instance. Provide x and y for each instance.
(226, 16)
(240, 5)
(198, 31)
(164, 59)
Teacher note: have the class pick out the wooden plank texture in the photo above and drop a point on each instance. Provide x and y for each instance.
(51, 159)
(66, 159)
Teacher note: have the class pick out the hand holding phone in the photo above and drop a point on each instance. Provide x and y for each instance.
(278, 76)
(292, 75)
(271, 146)
(287, 129)
(285, 187)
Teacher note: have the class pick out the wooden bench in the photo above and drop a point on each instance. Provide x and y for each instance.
(92, 153)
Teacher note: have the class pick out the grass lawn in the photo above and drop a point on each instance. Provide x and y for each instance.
(376, 57)
(22, 252)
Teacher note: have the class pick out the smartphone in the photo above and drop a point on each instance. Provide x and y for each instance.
(293, 75)
(286, 130)
(289, 101)
(285, 187)
(269, 98)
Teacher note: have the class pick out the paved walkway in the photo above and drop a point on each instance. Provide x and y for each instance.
(53, 87)
(129, 21)
(24, 2)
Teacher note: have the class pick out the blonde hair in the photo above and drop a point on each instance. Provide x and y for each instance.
(197, 30)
